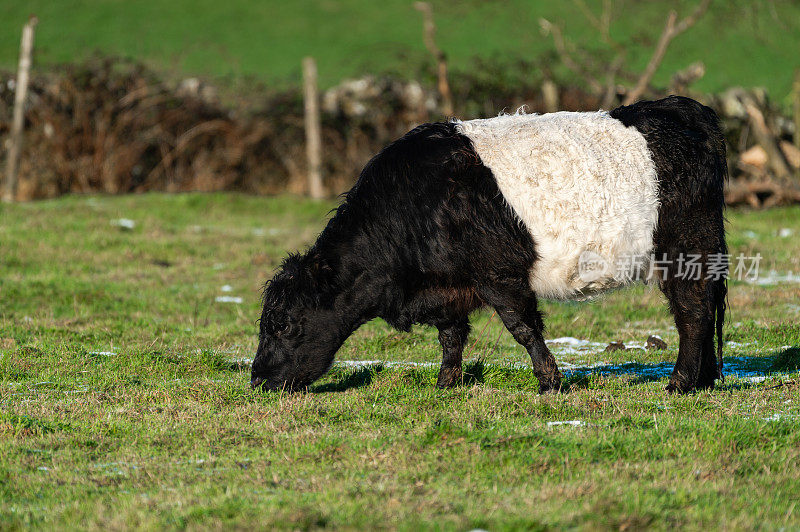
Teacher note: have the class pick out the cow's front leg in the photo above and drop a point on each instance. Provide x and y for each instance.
(524, 321)
(452, 337)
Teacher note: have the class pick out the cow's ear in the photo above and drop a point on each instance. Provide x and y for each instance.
(316, 276)
(292, 265)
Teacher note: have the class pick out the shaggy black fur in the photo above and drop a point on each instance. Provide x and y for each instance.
(688, 149)
(425, 237)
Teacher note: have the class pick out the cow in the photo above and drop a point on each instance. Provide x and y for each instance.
(500, 212)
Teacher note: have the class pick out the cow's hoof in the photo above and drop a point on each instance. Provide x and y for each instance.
(553, 386)
(706, 380)
(678, 387)
(449, 377)
(549, 380)
(706, 384)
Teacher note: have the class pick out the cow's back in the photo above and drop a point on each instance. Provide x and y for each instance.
(586, 188)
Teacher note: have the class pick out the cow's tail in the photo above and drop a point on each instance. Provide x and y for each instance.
(720, 304)
(720, 175)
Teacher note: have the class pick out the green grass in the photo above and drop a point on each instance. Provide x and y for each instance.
(124, 401)
(742, 43)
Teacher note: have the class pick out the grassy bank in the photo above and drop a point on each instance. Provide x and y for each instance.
(124, 398)
(742, 43)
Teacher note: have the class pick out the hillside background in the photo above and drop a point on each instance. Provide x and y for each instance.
(207, 96)
(743, 43)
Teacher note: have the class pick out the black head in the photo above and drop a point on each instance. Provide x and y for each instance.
(298, 334)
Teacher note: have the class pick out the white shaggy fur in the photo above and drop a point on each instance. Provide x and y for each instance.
(586, 188)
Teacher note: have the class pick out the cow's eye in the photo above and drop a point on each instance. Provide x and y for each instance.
(283, 328)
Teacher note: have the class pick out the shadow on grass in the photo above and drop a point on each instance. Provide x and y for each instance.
(474, 372)
(239, 365)
(785, 361)
(357, 379)
(574, 378)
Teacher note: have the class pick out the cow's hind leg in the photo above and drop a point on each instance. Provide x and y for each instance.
(692, 303)
(524, 321)
(452, 337)
(711, 362)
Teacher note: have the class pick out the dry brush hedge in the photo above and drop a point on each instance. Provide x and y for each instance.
(113, 126)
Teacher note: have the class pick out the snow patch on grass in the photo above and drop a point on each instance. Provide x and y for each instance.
(568, 345)
(228, 299)
(754, 369)
(124, 223)
(571, 423)
(773, 277)
(384, 363)
(778, 416)
(734, 345)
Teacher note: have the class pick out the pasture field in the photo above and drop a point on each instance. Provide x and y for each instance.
(742, 42)
(124, 396)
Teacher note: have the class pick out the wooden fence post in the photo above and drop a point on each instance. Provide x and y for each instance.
(796, 98)
(313, 129)
(21, 89)
(550, 96)
(429, 36)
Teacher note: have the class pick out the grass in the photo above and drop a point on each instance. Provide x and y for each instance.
(124, 396)
(742, 43)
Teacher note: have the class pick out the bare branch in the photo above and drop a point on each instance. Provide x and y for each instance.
(695, 15)
(593, 20)
(672, 29)
(766, 139)
(611, 81)
(605, 19)
(566, 58)
(602, 23)
(682, 79)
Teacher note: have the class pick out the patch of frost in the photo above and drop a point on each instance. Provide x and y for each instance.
(386, 364)
(777, 417)
(228, 299)
(571, 423)
(124, 223)
(773, 277)
(568, 345)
